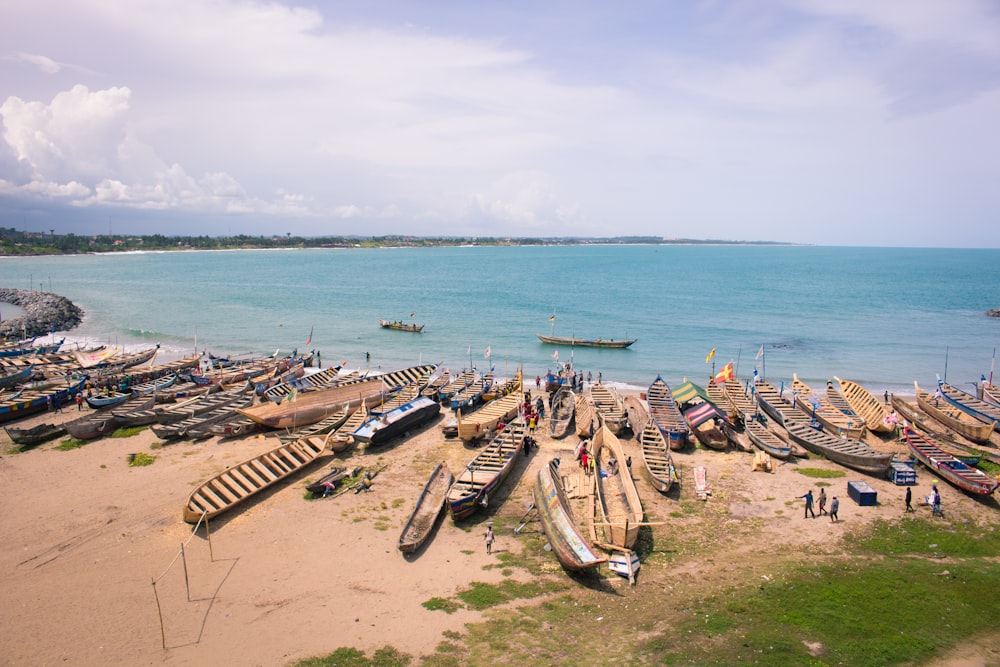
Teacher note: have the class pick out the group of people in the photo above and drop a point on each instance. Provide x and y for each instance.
(834, 505)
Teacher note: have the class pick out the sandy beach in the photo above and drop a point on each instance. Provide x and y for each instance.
(283, 578)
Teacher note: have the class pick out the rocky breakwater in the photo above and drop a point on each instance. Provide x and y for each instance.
(43, 312)
(993, 313)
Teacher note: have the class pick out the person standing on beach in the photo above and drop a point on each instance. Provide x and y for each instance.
(489, 538)
(822, 502)
(809, 504)
(834, 507)
(887, 397)
(909, 499)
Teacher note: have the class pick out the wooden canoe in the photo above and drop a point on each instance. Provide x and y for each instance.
(744, 405)
(960, 422)
(561, 412)
(772, 404)
(952, 470)
(586, 418)
(401, 326)
(587, 342)
(635, 408)
(845, 451)
(608, 405)
(664, 411)
(943, 436)
(487, 471)
(321, 427)
(306, 408)
(342, 437)
(863, 402)
(657, 464)
(36, 435)
(818, 406)
(971, 405)
(617, 498)
(96, 423)
(766, 441)
(430, 502)
(474, 425)
(237, 483)
(572, 549)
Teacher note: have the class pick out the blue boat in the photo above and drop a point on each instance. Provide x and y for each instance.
(29, 402)
(31, 349)
(382, 426)
(971, 405)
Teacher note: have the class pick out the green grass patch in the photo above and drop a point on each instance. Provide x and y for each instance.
(386, 656)
(821, 473)
(141, 459)
(70, 443)
(483, 596)
(441, 604)
(988, 467)
(127, 432)
(919, 537)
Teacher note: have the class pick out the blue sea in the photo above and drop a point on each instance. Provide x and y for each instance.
(880, 316)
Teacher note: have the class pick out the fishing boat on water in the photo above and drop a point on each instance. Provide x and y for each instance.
(430, 504)
(487, 471)
(572, 549)
(398, 325)
(587, 342)
(951, 469)
(664, 411)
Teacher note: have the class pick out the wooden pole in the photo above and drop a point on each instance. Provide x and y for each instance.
(208, 534)
(187, 586)
(159, 612)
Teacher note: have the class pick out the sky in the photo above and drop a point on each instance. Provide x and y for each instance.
(828, 122)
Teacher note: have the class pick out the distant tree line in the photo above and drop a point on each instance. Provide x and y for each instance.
(14, 242)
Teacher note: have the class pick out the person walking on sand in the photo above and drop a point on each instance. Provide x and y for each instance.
(809, 504)
(822, 502)
(834, 507)
(909, 499)
(489, 538)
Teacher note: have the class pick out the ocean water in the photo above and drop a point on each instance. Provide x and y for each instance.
(880, 316)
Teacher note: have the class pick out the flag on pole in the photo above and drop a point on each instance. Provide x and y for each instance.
(310, 339)
(760, 352)
(711, 355)
(487, 355)
(553, 318)
(555, 355)
(725, 374)
(412, 314)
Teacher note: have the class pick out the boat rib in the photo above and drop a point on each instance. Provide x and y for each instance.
(608, 405)
(657, 463)
(561, 412)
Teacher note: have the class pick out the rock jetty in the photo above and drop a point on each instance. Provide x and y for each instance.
(993, 313)
(43, 312)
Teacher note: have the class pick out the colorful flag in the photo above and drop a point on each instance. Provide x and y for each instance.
(552, 319)
(760, 352)
(725, 374)
(555, 355)
(411, 314)
(711, 355)
(290, 398)
(487, 355)
(310, 339)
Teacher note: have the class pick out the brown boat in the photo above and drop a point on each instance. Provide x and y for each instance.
(430, 504)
